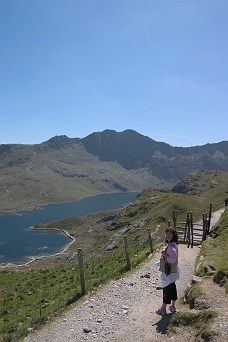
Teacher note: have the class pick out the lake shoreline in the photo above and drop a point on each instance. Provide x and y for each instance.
(19, 212)
(11, 225)
(37, 258)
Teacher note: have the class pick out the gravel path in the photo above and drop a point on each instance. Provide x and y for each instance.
(124, 310)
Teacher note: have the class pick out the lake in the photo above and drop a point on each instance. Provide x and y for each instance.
(18, 243)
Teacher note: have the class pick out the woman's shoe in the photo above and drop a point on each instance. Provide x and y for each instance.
(172, 309)
(161, 312)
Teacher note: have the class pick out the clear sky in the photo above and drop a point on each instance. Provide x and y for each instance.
(74, 67)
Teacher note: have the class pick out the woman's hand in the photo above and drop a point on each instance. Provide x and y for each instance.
(163, 254)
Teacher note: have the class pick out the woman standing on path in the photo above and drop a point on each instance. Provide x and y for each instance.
(170, 271)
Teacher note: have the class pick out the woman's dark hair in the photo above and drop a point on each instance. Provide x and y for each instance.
(175, 234)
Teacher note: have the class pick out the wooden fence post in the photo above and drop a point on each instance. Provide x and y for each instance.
(82, 274)
(127, 253)
(175, 212)
(204, 228)
(150, 240)
(206, 225)
(186, 228)
(191, 228)
(209, 219)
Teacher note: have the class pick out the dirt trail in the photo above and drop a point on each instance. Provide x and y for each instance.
(124, 310)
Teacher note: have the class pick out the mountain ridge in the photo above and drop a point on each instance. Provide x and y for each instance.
(64, 169)
(142, 148)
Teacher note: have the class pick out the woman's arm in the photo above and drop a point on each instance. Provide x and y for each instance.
(171, 254)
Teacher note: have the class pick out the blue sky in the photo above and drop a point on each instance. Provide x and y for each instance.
(74, 67)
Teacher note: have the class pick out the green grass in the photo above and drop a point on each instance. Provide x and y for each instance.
(192, 293)
(200, 321)
(214, 252)
(28, 299)
(197, 320)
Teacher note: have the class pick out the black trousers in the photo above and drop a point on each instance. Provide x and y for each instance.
(169, 293)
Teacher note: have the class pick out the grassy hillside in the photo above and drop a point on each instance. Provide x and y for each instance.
(38, 174)
(206, 183)
(33, 294)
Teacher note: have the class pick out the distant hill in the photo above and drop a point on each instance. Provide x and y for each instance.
(65, 169)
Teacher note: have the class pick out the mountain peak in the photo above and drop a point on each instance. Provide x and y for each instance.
(59, 141)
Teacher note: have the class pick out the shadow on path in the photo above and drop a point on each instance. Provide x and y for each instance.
(162, 324)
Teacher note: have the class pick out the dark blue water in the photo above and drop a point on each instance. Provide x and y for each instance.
(18, 243)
